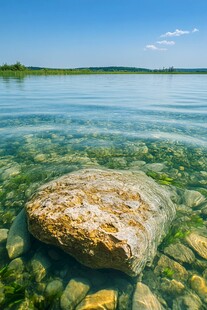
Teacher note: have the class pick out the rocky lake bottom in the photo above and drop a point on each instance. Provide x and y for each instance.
(41, 144)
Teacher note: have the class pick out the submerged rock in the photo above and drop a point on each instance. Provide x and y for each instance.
(104, 299)
(172, 287)
(17, 265)
(54, 288)
(187, 302)
(3, 235)
(40, 264)
(198, 243)
(180, 253)
(74, 293)
(193, 198)
(199, 285)
(18, 241)
(168, 268)
(143, 299)
(104, 218)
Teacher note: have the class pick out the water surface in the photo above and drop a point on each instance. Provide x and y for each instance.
(52, 125)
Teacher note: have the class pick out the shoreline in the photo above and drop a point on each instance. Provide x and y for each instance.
(88, 72)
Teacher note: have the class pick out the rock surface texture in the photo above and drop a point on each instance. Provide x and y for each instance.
(104, 218)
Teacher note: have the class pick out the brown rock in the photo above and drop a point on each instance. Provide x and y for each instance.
(187, 302)
(143, 299)
(180, 253)
(172, 287)
(199, 285)
(198, 243)
(74, 293)
(167, 267)
(104, 218)
(104, 299)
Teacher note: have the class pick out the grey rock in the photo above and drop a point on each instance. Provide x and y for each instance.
(18, 241)
(74, 292)
(104, 218)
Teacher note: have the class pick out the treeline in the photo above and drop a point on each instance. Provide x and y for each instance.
(20, 69)
(16, 67)
(118, 69)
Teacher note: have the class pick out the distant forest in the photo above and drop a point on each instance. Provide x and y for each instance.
(18, 67)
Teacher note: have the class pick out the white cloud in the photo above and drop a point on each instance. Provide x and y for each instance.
(165, 42)
(195, 30)
(153, 47)
(176, 33)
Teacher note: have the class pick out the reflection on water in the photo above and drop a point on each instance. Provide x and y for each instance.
(50, 126)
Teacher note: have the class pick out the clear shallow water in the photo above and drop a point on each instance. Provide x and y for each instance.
(56, 124)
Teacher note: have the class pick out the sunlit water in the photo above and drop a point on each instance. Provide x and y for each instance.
(53, 125)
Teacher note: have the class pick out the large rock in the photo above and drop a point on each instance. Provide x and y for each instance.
(104, 218)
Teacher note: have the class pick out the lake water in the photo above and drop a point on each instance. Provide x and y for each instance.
(52, 125)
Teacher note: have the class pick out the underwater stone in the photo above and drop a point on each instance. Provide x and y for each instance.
(180, 253)
(189, 302)
(40, 264)
(198, 243)
(74, 293)
(104, 218)
(104, 299)
(2, 296)
(198, 284)
(144, 299)
(167, 267)
(18, 241)
(3, 235)
(172, 287)
(16, 265)
(156, 167)
(193, 198)
(54, 288)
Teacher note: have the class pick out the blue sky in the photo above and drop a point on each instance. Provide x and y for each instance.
(83, 33)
